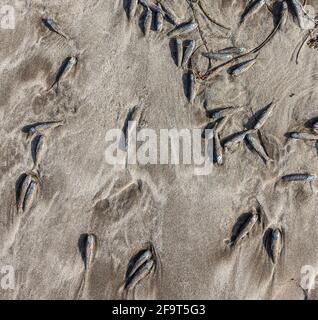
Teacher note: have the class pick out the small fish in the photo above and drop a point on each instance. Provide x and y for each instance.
(90, 250)
(52, 26)
(135, 262)
(264, 116)
(132, 9)
(298, 10)
(303, 136)
(140, 274)
(170, 15)
(218, 150)
(235, 139)
(252, 9)
(182, 29)
(232, 50)
(64, 70)
(223, 112)
(192, 88)
(258, 148)
(218, 56)
(244, 229)
(315, 125)
(179, 49)
(147, 22)
(283, 15)
(275, 244)
(188, 53)
(44, 127)
(298, 177)
(29, 177)
(241, 67)
(38, 150)
(159, 19)
(30, 196)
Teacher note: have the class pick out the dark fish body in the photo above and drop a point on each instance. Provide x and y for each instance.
(159, 19)
(30, 196)
(224, 112)
(298, 9)
(170, 15)
(298, 177)
(183, 29)
(245, 228)
(23, 189)
(236, 138)
(257, 147)
(44, 127)
(39, 151)
(255, 6)
(304, 136)
(139, 274)
(276, 244)
(135, 265)
(264, 116)
(52, 26)
(241, 67)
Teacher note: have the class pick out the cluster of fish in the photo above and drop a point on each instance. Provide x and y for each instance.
(158, 11)
(220, 118)
(139, 267)
(30, 186)
(272, 239)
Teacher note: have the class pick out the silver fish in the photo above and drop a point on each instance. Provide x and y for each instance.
(298, 9)
(170, 15)
(275, 244)
(179, 48)
(132, 9)
(235, 139)
(140, 274)
(30, 196)
(252, 9)
(232, 50)
(188, 53)
(183, 29)
(257, 147)
(242, 67)
(298, 177)
(147, 22)
(52, 26)
(159, 19)
(245, 228)
(224, 112)
(218, 56)
(192, 88)
(134, 265)
(45, 127)
(39, 150)
(90, 250)
(29, 177)
(64, 70)
(304, 136)
(264, 116)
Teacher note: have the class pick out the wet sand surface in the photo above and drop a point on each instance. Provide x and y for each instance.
(184, 220)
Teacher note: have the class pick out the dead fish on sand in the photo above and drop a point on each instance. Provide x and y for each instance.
(64, 70)
(223, 112)
(257, 147)
(52, 26)
(90, 250)
(241, 67)
(303, 136)
(44, 127)
(30, 195)
(179, 49)
(251, 9)
(170, 15)
(298, 177)
(218, 56)
(29, 177)
(183, 29)
(218, 150)
(235, 139)
(274, 244)
(139, 259)
(38, 150)
(299, 12)
(159, 19)
(188, 52)
(147, 22)
(264, 116)
(232, 50)
(242, 229)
